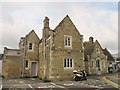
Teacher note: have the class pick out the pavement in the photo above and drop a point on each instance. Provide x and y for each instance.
(105, 82)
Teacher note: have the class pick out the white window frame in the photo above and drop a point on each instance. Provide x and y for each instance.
(68, 37)
(67, 63)
(29, 46)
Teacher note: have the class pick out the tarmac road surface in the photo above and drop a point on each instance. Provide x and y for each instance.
(93, 83)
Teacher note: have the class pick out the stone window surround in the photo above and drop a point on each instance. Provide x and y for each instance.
(70, 37)
(26, 65)
(98, 62)
(32, 46)
(69, 61)
(101, 62)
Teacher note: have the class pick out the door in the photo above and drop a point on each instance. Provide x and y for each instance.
(98, 67)
(34, 69)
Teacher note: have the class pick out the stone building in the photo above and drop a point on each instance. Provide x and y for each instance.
(30, 53)
(60, 51)
(56, 55)
(118, 63)
(111, 61)
(95, 59)
(12, 63)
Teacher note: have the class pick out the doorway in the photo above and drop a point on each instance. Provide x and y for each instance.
(98, 67)
(34, 68)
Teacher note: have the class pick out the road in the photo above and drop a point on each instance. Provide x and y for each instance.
(106, 82)
(113, 79)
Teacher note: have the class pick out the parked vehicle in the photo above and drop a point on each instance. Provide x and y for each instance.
(79, 76)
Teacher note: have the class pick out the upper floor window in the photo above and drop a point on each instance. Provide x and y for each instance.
(68, 41)
(68, 63)
(30, 46)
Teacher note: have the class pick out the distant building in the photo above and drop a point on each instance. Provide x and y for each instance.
(98, 60)
(118, 63)
(111, 61)
(95, 59)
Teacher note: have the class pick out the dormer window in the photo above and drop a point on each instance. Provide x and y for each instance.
(68, 41)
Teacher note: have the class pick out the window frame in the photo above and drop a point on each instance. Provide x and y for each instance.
(29, 46)
(68, 63)
(68, 41)
(98, 63)
(26, 64)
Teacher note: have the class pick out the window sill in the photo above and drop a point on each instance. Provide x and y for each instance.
(30, 50)
(68, 68)
(26, 68)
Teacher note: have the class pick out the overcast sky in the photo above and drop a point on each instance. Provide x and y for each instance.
(97, 19)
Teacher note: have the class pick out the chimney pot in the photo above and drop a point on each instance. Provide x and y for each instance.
(46, 22)
(91, 39)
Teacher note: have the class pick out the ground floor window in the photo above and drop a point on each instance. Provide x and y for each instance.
(68, 63)
(97, 63)
(115, 67)
(26, 63)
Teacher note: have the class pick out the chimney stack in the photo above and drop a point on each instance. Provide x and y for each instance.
(46, 22)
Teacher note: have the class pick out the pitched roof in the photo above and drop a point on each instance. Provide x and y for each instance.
(88, 48)
(109, 56)
(31, 32)
(63, 20)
